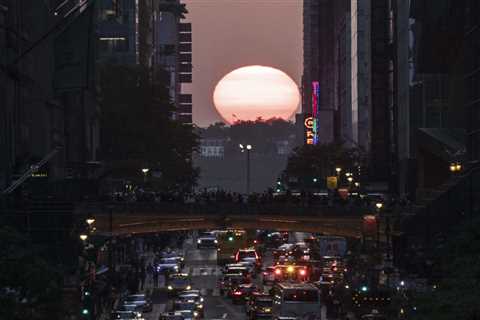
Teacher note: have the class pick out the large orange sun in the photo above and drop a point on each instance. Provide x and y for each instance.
(256, 91)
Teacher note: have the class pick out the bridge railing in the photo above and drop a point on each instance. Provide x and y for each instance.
(166, 208)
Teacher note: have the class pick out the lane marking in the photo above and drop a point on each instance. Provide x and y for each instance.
(224, 316)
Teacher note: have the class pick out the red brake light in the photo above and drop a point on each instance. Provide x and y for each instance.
(303, 272)
(256, 255)
(237, 256)
(278, 272)
(237, 293)
(255, 241)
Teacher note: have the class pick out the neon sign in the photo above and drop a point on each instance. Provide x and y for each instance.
(315, 106)
(309, 130)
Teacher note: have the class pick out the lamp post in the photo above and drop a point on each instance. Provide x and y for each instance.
(379, 206)
(145, 172)
(247, 148)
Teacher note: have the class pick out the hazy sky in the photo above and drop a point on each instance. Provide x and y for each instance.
(228, 34)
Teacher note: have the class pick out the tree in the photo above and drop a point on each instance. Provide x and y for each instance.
(30, 287)
(457, 294)
(138, 130)
(319, 161)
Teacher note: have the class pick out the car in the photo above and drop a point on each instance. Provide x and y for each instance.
(240, 293)
(291, 272)
(173, 315)
(168, 266)
(189, 314)
(126, 315)
(252, 264)
(207, 240)
(141, 300)
(196, 308)
(238, 268)
(130, 307)
(178, 282)
(179, 260)
(259, 307)
(191, 295)
(230, 280)
(242, 254)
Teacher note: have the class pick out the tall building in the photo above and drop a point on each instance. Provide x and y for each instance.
(49, 108)
(318, 77)
(150, 33)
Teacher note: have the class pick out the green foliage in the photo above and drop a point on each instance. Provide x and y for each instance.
(138, 130)
(319, 161)
(458, 293)
(30, 287)
(262, 134)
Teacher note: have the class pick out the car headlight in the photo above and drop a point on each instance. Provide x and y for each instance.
(267, 310)
(195, 314)
(201, 299)
(215, 241)
(200, 306)
(170, 288)
(189, 287)
(182, 259)
(176, 267)
(199, 241)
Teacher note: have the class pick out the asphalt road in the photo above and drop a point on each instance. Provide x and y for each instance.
(202, 267)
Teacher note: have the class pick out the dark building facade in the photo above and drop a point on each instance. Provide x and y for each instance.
(48, 102)
(150, 33)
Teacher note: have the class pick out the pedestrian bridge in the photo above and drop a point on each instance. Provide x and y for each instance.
(151, 219)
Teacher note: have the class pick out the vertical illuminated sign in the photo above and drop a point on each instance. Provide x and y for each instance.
(315, 106)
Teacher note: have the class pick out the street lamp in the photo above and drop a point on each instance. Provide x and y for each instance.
(90, 221)
(455, 167)
(350, 179)
(83, 237)
(379, 206)
(247, 148)
(357, 184)
(145, 172)
(338, 170)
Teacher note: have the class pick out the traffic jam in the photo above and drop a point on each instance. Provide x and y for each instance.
(262, 274)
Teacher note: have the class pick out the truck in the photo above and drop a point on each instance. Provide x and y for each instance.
(333, 246)
(229, 241)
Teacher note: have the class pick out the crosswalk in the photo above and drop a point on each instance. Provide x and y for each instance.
(199, 271)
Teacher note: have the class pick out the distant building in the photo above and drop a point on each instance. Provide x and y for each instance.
(212, 148)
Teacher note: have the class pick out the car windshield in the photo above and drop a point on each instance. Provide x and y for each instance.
(183, 305)
(128, 307)
(179, 282)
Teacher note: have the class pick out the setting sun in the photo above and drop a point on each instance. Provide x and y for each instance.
(256, 91)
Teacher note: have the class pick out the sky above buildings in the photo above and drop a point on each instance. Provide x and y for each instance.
(228, 34)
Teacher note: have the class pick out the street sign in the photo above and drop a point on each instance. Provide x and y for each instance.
(332, 183)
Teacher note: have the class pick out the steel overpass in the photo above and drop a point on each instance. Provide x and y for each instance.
(150, 219)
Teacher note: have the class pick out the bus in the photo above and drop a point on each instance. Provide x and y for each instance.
(299, 300)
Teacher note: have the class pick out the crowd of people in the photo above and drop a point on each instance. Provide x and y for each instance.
(216, 198)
